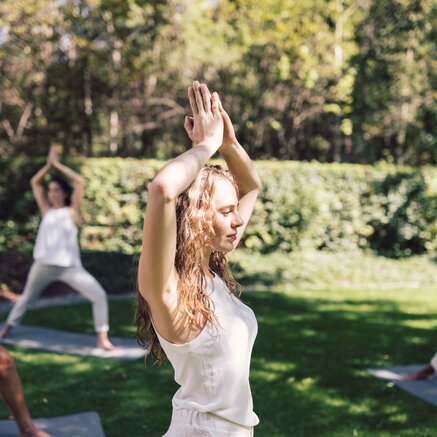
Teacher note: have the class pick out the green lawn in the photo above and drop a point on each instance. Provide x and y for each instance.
(308, 369)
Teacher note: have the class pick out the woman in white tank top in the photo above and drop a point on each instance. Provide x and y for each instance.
(56, 252)
(188, 306)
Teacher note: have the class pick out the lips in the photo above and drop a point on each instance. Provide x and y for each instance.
(233, 236)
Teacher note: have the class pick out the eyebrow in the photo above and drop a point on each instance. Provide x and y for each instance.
(233, 205)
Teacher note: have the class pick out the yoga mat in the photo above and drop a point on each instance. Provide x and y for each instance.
(54, 340)
(76, 425)
(424, 389)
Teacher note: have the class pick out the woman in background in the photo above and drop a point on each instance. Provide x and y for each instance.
(56, 252)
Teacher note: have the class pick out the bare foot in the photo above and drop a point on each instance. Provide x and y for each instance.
(103, 341)
(34, 432)
(423, 373)
(6, 329)
(9, 295)
(106, 345)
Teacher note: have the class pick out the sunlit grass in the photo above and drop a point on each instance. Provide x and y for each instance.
(308, 372)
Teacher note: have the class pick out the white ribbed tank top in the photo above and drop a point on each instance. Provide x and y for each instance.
(56, 241)
(213, 369)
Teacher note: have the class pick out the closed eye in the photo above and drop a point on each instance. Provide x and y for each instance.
(226, 210)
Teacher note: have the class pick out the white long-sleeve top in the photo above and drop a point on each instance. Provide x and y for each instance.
(56, 242)
(213, 369)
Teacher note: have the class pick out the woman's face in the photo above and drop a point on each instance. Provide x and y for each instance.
(56, 195)
(226, 218)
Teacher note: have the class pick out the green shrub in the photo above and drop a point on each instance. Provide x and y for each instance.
(301, 206)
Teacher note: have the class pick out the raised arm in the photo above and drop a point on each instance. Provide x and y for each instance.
(240, 164)
(78, 183)
(156, 273)
(37, 188)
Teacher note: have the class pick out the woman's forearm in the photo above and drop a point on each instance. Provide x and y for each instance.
(178, 174)
(37, 177)
(242, 167)
(67, 171)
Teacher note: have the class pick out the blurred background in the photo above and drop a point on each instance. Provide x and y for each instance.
(336, 100)
(325, 80)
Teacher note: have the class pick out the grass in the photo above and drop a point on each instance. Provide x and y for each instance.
(323, 269)
(308, 372)
(304, 269)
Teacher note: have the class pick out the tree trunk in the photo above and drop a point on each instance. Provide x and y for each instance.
(88, 103)
(339, 24)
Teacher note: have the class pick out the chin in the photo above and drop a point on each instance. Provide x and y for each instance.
(226, 249)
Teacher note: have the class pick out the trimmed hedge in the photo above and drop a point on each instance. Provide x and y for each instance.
(388, 209)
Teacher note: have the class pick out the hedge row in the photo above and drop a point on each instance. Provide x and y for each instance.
(388, 209)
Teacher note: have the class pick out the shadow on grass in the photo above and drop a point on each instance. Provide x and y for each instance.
(308, 368)
(130, 399)
(308, 372)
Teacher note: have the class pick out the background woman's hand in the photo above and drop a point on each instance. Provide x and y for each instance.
(206, 125)
(52, 157)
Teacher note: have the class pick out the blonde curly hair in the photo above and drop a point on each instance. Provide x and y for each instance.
(194, 217)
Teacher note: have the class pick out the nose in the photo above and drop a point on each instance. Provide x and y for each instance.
(238, 221)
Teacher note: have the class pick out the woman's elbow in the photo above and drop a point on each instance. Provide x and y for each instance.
(161, 189)
(79, 180)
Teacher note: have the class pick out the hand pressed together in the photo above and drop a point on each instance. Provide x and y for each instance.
(206, 125)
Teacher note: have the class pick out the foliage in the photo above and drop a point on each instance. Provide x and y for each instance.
(332, 80)
(322, 270)
(394, 112)
(301, 206)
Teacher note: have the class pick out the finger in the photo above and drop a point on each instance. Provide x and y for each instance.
(206, 96)
(215, 104)
(198, 97)
(192, 100)
(187, 125)
(220, 104)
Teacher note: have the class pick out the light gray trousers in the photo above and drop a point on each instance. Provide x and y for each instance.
(41, 275)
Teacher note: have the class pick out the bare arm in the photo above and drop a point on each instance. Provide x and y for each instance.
(78, 184)
(37, 188)
(156, 273)
(240, 164)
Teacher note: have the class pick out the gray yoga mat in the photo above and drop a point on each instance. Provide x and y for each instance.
(54, 340)
(76, 425)
(424, 389)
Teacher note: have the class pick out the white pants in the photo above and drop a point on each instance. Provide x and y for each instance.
(41, 275)
(191, 423)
